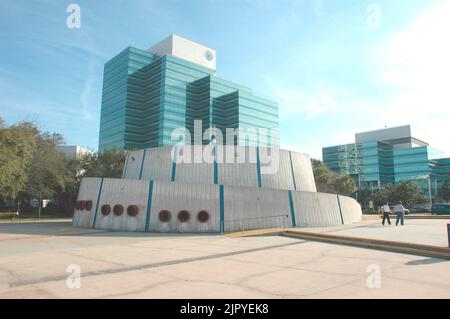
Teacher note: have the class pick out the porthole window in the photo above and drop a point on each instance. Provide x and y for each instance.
(118, 210)
(132, 210)
(164, 216)
(203, 216)
(184, 216)
(106, 209)
(88, 205)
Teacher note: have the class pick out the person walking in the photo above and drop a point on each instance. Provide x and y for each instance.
(400, 210)
(386, 211)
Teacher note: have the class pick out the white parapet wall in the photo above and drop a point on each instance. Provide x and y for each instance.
(178, 207)
(351, 210)
(253, 208)
(291, 170)
(90, 189)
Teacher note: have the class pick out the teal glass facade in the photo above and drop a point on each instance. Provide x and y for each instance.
(376, 164)
(370, 163)
(145, 97)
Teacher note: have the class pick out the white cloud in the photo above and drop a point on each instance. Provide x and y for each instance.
(302, 105)
(411, 76)
(85, 94)
(415, 64)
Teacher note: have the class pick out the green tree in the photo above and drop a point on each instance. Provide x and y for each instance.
(31, 167)
(17, 144)
(330, 182)
(384, 195)
(323, 176)
(407, 192)
(47, 171)
(344, 185)
(106, 164)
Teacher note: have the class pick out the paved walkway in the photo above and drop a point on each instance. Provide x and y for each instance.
(34, 259)
(418, 231)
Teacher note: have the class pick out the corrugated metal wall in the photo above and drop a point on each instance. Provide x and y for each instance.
(253, 208)
(157, 164)
(243, 207)
(195, 169)
(282, 177)
(351, 210)
(175, 197)
(124, 192)
(134, 162)
(89, 189)
(316, 209)
(303, 172)
(239, 174)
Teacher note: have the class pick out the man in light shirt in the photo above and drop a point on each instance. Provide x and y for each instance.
(400, 210)
(386, 211)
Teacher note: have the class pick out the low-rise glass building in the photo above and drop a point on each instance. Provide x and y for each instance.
(389, 156)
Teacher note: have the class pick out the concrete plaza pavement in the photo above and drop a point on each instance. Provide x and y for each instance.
(34, 258)
(418, 231)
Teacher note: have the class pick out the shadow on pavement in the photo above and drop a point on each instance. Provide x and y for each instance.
(65, 228)
(425, 261)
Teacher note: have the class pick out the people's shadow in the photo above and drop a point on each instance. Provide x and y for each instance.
(425, 261)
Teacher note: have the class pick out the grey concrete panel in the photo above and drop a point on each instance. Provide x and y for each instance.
(175, 197)
(194, 169)
(281, 178)
(124, 192)
(303, 172)
(89, 188)
(239, 174)
(252, 208)
(351, 210)
(134, 162)
(158, 164)
(316, 209)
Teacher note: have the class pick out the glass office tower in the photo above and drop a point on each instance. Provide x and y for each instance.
(147, 94)
(390, 156)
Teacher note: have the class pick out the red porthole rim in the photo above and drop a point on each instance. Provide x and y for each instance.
(132, 210)
(164, 216)
(118, 210)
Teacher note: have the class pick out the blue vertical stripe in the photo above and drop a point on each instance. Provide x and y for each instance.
(149, 206)
(174, 165)
(222, 209)
(142, 163)
(258, 167)
(98, 202)
(340, 209)
(292, 170)
(291, 205)
(216, 168)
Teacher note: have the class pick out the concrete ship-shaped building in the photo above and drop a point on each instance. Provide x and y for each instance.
(218, 182)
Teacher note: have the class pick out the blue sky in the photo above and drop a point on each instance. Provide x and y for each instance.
(331, 69)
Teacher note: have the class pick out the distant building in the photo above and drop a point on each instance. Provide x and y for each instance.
(389, 156)
(73, 150)
(147, 94)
